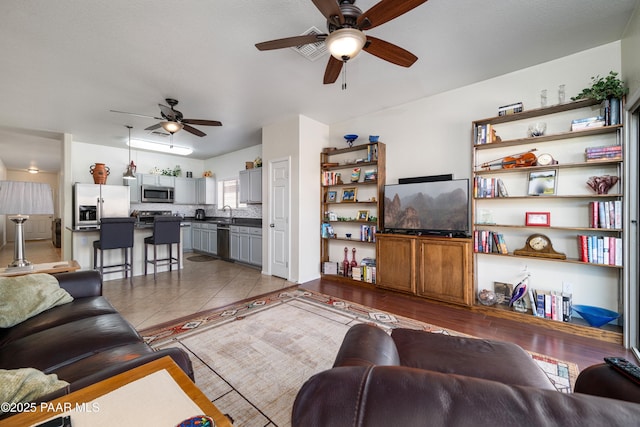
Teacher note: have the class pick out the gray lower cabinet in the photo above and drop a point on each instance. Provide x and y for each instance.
(246, 244)
(204, 237)
(187, 246)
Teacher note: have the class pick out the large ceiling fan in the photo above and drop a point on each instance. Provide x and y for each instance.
(346, 38)
(173, 120)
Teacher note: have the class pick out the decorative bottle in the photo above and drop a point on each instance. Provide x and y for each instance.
(345, 264)
(354, 263)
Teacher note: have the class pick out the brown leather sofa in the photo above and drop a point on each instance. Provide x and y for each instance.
(416, 378)
(83, 342)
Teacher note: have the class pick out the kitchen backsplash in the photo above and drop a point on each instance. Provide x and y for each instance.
(251, 211)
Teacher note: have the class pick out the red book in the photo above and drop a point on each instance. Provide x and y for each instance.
(583, 249)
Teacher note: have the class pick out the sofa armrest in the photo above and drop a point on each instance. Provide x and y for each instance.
(375, 396)
(366, 345)
(80, 284)
(603, 380)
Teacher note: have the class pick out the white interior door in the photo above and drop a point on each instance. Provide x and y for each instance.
(279, 218)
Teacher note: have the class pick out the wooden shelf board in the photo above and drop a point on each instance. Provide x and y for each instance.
(609, 333)
(538, 112)
(551, 137)
(344, 239)
(482, 171)
(351, 184)
(349, 149)
(348, 280)
(570, 261)
(605, 230)
(569, 196)
(350, 165)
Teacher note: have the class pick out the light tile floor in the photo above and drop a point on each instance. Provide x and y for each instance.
(145, 303)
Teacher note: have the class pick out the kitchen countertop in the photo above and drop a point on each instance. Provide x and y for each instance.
(246, 222)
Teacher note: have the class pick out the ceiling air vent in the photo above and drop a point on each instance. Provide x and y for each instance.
(311, 51)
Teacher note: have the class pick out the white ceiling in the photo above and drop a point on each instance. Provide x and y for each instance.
(66, 63)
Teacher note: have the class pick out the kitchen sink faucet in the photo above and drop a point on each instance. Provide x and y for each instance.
(224, 209)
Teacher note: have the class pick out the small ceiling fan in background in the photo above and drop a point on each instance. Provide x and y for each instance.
(346, 38)
(173, 120)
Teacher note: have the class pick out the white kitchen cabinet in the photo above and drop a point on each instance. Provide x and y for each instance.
(134, 188)
(250, 185)
(158, 180)
(205, 191)
(185, 191)
(234, 243)
(204, 237)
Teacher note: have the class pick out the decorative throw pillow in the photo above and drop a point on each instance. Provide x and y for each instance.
(23, 297)
(26, 385)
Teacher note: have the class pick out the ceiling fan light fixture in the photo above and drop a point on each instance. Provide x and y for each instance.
(172, 127)
(345, 43)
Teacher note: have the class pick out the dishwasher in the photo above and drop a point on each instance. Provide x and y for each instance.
(223, 241)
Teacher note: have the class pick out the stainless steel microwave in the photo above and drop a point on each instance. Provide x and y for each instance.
(151, 194)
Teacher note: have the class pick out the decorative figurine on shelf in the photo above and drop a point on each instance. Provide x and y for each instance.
(350, 138)
(602, 184)
(487, 297)
(519, 291)
(345, 263)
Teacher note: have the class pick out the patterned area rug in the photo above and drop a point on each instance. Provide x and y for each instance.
(250, 359)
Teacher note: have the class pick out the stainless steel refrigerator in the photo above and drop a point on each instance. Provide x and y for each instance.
(92, 202)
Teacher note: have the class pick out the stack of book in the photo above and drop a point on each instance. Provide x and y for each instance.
(506, 110)
(605, 152)
(372, 153)
(365, 272)
(587, 123)
(600, 249)
(607, 214)
(551, 305)
(485, 241)
(489, 187)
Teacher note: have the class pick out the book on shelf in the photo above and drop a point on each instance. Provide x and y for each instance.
(605, 214)
(372, 152)
(505, 110)
(485, 134)
(606, 250)
(587, 123)
(485, 241)
(484, 188)
(605, 152)
(551, 305)
(368, 233)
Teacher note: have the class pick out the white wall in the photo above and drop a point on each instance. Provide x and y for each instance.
(3, 234)
(433, 136)
(228, 165)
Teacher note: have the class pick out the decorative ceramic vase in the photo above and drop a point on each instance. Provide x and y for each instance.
(354, 263)
(345, 263)
(614, 111)
(602, 184)
(100, 173)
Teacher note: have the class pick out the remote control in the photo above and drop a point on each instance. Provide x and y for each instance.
(625, 367)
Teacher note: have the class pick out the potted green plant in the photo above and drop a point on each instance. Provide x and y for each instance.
(610, 89)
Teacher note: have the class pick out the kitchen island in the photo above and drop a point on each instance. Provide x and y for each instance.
(82, 250)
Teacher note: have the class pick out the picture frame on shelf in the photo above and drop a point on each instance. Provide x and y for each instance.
(349, 194)
(363, 215)
(503, 292)
(537, 219)
(332, 196)
(355, 175)
(370, 176)
(542, 183)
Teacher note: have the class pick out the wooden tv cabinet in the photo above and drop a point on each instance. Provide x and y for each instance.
(438, 268)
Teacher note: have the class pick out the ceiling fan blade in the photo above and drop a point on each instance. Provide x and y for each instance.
(135, 114)
(193, 130)
(291, 41)
(331, 10)
(389, 52)
(386, 10)
(167, 112)
(202, 122)
(154, 127)
(331, 73)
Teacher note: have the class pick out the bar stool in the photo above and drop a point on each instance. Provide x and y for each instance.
(166, 231)
(115, 233)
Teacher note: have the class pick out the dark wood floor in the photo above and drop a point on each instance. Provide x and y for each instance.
(580, 350)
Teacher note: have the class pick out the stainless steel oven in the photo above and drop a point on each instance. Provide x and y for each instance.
(152, 194)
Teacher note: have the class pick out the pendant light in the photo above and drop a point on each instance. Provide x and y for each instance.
(131, 167)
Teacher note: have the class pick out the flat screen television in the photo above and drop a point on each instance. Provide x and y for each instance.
(437, 207)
